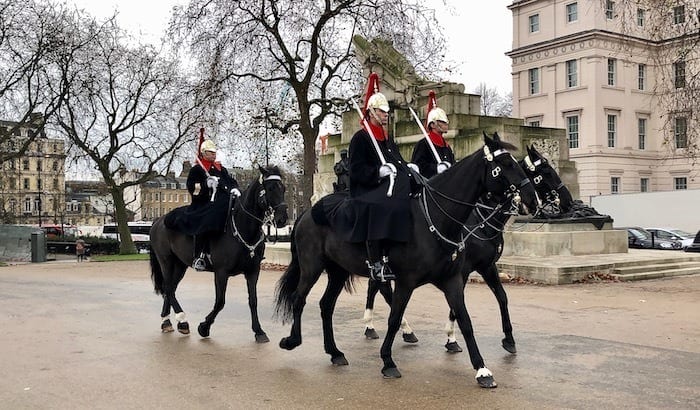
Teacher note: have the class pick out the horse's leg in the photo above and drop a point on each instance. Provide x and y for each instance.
(307, 279)
(251, 279)
(220, 283)
(398, 307)
(492, 279)
(336, 280)
(173, 272)
(453, 288)
(452, 346)
(372, 290)
(166, 326)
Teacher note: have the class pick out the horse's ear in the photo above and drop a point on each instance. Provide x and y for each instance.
(496, 137)
(263, 171)
(527, 148)
(487, 139)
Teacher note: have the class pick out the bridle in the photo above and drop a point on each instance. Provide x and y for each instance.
(484, 212)
(268, 217)
(551, 200)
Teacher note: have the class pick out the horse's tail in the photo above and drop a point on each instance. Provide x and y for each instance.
(285, 291)
(156, 273)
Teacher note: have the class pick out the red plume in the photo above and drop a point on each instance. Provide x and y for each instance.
(372, 88)
(199, 144)
(432, 103)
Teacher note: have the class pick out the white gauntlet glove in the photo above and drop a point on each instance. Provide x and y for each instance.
(386, 170)
(443, 166)
(414, 167)
(235, 192)
(212, 182)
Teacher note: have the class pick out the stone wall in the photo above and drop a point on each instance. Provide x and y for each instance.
(15, 243)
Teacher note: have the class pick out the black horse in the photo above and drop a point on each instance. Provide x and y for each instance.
(485, 246)
(428, 257)
(239, 249)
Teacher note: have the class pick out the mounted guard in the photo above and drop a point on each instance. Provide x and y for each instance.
(433, 155)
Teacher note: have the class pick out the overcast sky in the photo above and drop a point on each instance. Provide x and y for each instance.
(477, 39)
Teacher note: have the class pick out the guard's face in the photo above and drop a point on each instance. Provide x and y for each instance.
(440, 127)
(381, 117)
(209, 155)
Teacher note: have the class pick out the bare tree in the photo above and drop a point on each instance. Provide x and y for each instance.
(32, 42)
(307, 48)
(492, 102)
(128, 107)
(668, 33)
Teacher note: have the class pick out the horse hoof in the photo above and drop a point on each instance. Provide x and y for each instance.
(287, 344)
(339, 360)
(391, 373)
(203, 329)
(509, 345)
(261, 338)
(453, 347)
(410, 338)
(166, 326)
(485, 378)
(184, 328)
(371, 334)
(486, 382)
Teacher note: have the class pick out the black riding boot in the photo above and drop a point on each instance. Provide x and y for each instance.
(377, 262)
(201, 252)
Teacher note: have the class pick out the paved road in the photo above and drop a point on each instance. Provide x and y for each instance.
(86, 336)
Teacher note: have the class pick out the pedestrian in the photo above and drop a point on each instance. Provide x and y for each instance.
(381, 217)
(80, 249)
(423, 155)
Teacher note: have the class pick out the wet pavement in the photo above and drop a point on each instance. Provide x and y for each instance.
(87, 336)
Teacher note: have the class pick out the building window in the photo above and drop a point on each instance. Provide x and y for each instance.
(612, 130)
(571, 73)
(642, 132)
(680, 132)
(571, 12)
(25, 164)
(55, 166)
(534, 76)
(679, 74)
(609, 9)
(680, 183)
(55, 184)
(641, 76)
(644, 185)
(614, 185)
(534, 23)
(534, 123)
(25, 183)
(39, 185)
(679, 14)
(612, 65)
(572, 130)
(640, 17)
(27, 205)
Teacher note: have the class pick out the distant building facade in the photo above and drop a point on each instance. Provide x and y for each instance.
(596, 70)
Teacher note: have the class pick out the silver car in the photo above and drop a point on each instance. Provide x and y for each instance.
(671, 234)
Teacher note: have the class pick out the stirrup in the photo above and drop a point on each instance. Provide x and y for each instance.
(380, 271)
(200, 263)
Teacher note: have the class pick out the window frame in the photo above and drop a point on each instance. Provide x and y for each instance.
(611, 129)
(612, 72)
(680, 134)
(533, 76)
(533, 21)
(641, 77)
(571, 75)
(609, 9)
(680, 183)
(679, 14)
(615, 184)
(679, 74)
(641, 17)
(641, 133)
(573, 136)
(644, 184)
(572, 12)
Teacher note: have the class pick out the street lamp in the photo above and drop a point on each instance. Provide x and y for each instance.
(266, 118)
(40, 182)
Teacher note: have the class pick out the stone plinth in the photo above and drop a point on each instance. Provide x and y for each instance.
(563, 237)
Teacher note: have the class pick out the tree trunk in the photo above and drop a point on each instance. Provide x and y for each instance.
(126, 244)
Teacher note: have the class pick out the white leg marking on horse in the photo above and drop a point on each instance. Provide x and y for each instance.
(483, 372)
(450, 330)
(180, 317)
(367, 319)
(163, 319)
(405, 327)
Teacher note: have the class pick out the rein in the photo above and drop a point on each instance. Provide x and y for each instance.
(268, 218)
(479, 207)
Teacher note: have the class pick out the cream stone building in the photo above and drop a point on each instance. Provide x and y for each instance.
(598, 69)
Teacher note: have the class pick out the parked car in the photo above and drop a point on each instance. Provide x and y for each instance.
(685, 238)
(695, 246)
(641, 238)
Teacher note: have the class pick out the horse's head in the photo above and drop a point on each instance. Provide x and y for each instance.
(271, 196)
(505, 178)
(548, 185)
